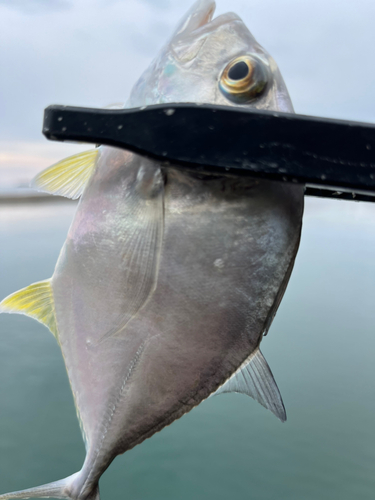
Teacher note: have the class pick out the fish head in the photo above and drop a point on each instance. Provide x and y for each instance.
(212, 60)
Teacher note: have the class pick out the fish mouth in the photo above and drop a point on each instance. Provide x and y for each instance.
(195, 28)
(199, 19)
(203, 14)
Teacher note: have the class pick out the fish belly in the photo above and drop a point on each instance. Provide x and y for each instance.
(138, 357)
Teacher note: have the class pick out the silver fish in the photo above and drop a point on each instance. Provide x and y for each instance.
(167, 280)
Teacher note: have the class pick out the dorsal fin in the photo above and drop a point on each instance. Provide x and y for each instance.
(68, 177)
(36, 301)
(254, 378)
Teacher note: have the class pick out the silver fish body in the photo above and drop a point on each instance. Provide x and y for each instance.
(168, 280)
(227, 247)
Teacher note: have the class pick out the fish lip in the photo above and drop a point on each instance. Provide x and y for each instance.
(206, 15)
(189, 37)
(218, 21)
(212, 25)
(201, 20)
(198, 15)
(188, 43)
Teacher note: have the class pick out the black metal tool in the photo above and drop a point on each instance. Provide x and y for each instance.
(334, 158)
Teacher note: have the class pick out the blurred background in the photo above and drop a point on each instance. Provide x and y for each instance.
(321, 345)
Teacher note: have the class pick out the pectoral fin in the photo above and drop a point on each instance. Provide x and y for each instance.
(35, 301)
(68, 177)
(140, 248)
(254, 378)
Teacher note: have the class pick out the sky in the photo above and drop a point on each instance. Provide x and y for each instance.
(91, 52)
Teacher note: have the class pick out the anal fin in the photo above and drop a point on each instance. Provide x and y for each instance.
(35, 301)
(254, 378)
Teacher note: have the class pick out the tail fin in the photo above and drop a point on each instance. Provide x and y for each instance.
(57, 489)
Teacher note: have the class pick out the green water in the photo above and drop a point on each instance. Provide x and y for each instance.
(321, 348)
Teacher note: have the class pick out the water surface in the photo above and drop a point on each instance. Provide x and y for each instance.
(321, 348)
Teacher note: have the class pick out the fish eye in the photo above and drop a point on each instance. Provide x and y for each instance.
(244, 78)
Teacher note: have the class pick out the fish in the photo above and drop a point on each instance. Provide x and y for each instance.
(168, 280)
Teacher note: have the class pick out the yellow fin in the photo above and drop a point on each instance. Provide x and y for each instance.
(68, 177)
(35, 301)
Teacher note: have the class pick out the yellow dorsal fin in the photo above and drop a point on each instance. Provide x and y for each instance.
(67, 177)
(36, 301)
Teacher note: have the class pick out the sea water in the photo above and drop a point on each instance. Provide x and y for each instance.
(321, 348)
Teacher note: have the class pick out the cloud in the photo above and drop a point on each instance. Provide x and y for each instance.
(161, 4)
(91, 52)
(21, 161)
(37, 6)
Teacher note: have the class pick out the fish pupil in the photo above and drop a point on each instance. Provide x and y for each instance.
(239, 71)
